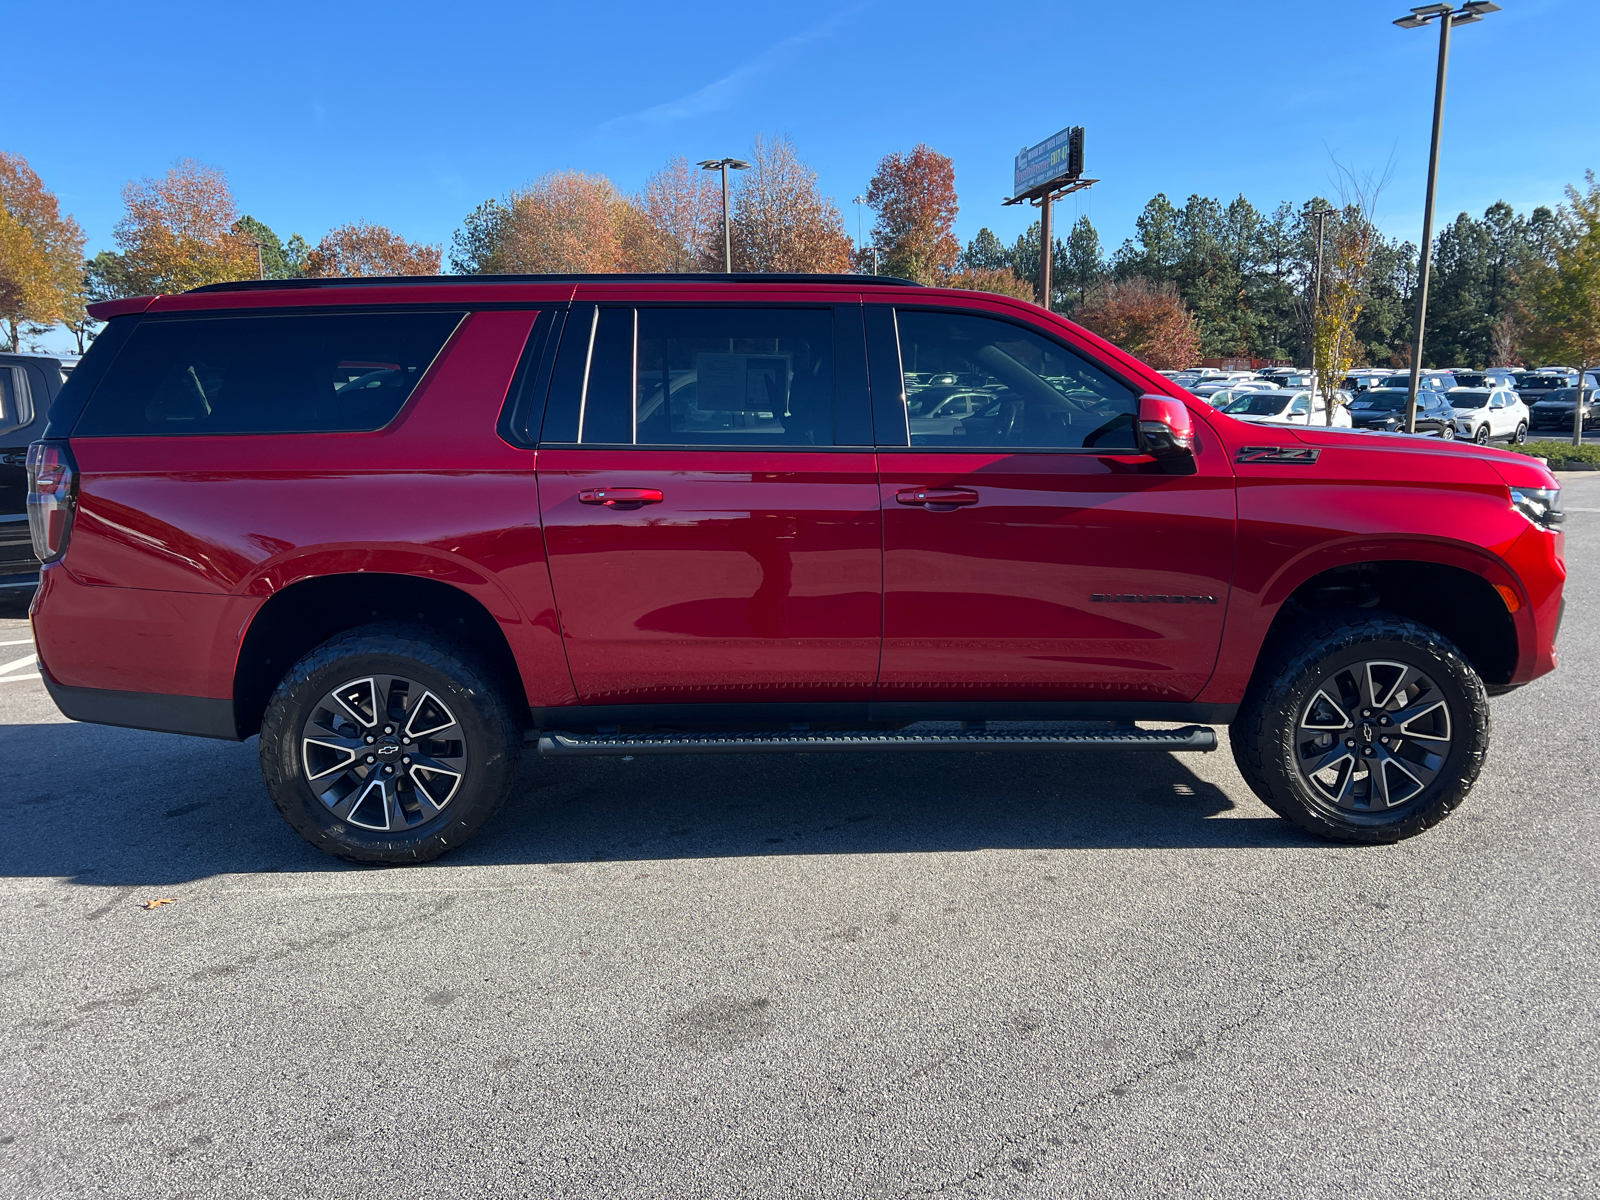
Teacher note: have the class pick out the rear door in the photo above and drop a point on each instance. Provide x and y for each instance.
(1031, 553)
(709, 496)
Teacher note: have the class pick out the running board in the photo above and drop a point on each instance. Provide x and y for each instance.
(580, 745)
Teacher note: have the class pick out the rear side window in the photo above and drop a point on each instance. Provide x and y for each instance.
(688, 376)
(297, 373)
(973, 382)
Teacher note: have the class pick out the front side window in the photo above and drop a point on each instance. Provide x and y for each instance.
(294, 373)
(981, 383)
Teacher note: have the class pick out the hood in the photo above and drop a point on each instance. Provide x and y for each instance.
(1515, 470)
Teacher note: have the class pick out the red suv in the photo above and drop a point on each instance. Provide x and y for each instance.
(399, 527)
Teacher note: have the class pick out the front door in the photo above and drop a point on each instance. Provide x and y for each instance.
(709, 496)
(1031, 553)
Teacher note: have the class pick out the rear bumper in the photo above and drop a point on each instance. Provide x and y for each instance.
(198, 716)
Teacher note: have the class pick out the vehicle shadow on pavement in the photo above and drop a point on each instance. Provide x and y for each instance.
(103, 806)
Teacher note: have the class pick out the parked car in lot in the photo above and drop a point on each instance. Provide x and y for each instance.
(1483, 414)
(1361, 379)
(398, 528)
(1384, 410)
(1554, 411)
(28, 384)
(1285, 407)
(1534, 386)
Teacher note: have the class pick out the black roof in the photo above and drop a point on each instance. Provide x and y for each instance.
(252, 285)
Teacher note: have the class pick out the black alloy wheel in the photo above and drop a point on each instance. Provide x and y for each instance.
(383, 753)
(1362, 726)
(390, 744)
(1481, 435)
(1373, 736)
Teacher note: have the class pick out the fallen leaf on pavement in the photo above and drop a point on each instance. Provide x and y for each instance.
(160, 902)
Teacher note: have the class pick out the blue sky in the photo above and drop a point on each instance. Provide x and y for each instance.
(411, 114)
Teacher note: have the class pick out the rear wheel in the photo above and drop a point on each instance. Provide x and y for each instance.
(388, 745)
(1521, 435)
(1363, 730)
(1448, 432)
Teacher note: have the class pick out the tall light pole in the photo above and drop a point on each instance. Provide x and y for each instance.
(1448, 16)
(860, 203)
(713, 164)
(1320, 216)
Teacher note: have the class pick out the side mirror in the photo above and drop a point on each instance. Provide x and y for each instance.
(1166, 433)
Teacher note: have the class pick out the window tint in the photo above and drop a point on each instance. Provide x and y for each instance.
(735, 377)
(16, 400)
(299, 373)
(697, 377)
(978, 382)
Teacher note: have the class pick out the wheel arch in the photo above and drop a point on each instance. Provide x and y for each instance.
(304, 614)
(1469, 598)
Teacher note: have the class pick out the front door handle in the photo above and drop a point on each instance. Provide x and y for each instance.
(621, 497)
(937, 498)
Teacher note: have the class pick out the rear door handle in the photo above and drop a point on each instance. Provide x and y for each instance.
(621, 497)
(937, 497)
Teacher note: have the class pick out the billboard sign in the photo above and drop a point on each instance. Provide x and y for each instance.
(1057, 157)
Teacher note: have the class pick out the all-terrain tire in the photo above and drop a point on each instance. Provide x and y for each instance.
(490, 741)
(1268, 739)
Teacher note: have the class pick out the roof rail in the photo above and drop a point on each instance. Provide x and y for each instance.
(252, 285)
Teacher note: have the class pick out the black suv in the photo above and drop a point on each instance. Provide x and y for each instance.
(28, 384)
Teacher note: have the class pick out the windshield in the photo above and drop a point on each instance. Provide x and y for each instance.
(1257, 404)
(1386, 401)
(1472, 399)
(1565, 395)
(1539, 383)
(1471, 379)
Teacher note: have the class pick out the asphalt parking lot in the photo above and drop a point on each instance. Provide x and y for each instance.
(1099, 975)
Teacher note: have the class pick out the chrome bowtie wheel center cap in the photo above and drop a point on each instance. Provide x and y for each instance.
(1366, 734)
(388, 748)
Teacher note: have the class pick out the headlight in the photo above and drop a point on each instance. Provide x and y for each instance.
(1542, 506)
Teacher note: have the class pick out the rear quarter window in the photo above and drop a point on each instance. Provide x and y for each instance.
(288, 373)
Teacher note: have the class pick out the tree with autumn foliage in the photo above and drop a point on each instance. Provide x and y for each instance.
(781, 220)
(683, 204)
(1565, 292)
(179, 232)
(566, 221)
(41, 256)
(360, 249)
(1146, 319)
(914, 196)
(1002, 281)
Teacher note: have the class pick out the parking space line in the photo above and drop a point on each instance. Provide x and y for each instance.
(20, 642)
(26, 661)
(15, 678)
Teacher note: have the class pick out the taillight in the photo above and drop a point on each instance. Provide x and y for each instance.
(52, 497)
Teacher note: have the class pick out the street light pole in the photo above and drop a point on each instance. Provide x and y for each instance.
(713, 164)
(859, 202)
(1447, 16)
(1320, 216)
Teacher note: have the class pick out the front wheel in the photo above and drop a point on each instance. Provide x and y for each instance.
(1482, 435)
(1363, 729)
(389, 745)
